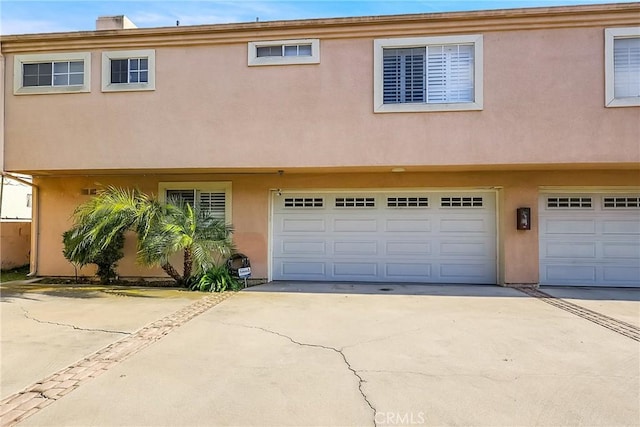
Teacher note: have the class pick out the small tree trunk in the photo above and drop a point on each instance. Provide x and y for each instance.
(188, 263)
(168, 268)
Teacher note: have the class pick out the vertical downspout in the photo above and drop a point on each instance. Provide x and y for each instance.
(35, 230)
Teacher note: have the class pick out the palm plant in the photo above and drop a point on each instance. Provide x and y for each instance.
(203, 239)
(162, 230)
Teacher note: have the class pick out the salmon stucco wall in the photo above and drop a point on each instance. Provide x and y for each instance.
(517, 258)
(539, 108)
(15, 238)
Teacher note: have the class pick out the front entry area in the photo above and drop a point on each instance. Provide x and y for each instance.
(383, 236)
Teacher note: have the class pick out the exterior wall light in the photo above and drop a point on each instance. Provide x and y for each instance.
(523, 218)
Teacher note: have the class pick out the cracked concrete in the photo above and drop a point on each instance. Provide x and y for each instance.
(324, 347)
(78, 328)
(460, 355)
(51, 331)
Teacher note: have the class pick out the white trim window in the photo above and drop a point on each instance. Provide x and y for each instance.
(284, 52)
(128, 70)
(428, 74)
(52, 73)
(212, 197)
(622, 66)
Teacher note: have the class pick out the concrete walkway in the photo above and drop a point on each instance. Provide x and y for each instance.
(342, 354)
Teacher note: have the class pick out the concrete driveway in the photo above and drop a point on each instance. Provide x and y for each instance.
(341, 354)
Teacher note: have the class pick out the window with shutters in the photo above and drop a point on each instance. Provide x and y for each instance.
(284, 52)
(128, 70)
(428, 74)
(622, 67)
(211, 197)
(52, 73)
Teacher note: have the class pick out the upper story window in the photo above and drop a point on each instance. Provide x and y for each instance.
(622, 67)
(131, 70)
(284, 52)
(52, 73)
(428, 74)
(128, 70)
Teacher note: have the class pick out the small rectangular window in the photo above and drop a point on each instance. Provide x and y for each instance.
(355, 202)
(128, 70)
(284, 52)
(303, 202)
(461, 202)
(52, 73)
(407, 202)
(132, 70)
(620, 202)
(569, 202)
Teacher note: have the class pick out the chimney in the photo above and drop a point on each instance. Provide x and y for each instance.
(119, 22)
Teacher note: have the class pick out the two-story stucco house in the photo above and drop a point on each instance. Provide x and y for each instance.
(374, 149)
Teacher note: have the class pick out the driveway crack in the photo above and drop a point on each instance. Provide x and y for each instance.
(324, 347)
(68, 325)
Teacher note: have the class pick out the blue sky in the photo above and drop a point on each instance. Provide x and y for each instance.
(31, 16)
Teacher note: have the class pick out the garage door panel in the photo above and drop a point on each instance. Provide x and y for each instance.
(585, 274)
(308, 247)
(302, 268)
(368, 270)
(630, 250)
(408, 248)
(408, 225)
(399, 270)
(464, 225)
(570, 226)
(621, 227)
(620, 274)
(303, 225)
(355, 225)
(589, 239)
(455, 272)
(463, 249)
(571, 249)
(348, 247)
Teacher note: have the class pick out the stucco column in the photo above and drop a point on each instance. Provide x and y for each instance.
(519, 247)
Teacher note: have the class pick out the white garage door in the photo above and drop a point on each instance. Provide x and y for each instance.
(590, 239)
(382, 237)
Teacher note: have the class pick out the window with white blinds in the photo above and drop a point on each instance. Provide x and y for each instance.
(428, 74)
(626, 66)
(622, 67)
(433, 74)
(404, 75)
(213, 197)
(207, 201)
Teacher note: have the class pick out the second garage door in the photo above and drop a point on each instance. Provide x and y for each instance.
(427, 237)
(590, 239)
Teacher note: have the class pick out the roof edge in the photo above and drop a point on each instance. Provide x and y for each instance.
(496, 19)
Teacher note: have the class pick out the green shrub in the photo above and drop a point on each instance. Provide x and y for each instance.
(216, 279)
(79, 253)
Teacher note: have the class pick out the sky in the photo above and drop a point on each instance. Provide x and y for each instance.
(37, 16)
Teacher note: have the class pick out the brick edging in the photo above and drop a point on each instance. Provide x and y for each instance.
(23, 404)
